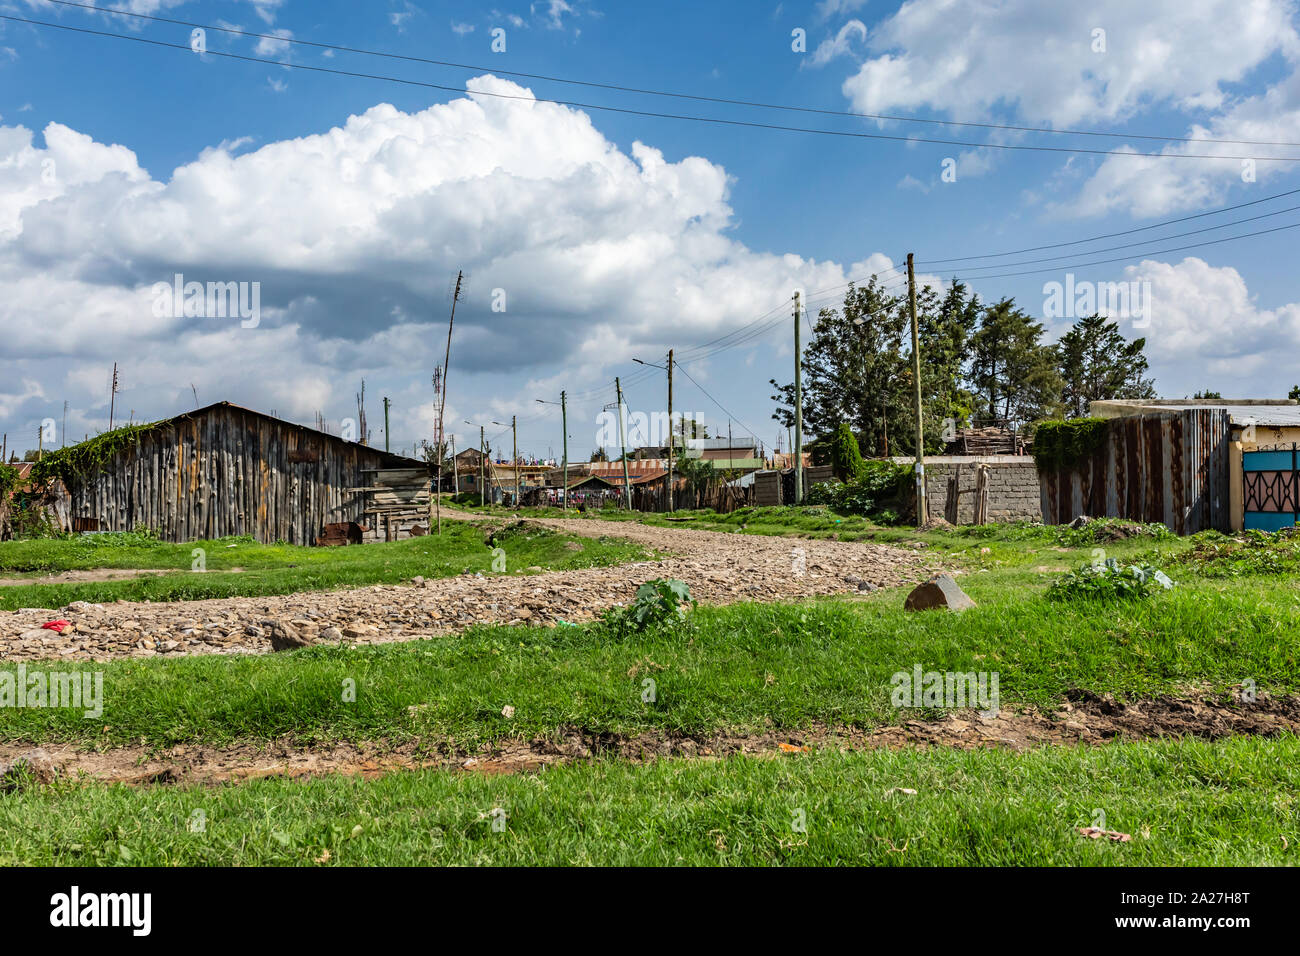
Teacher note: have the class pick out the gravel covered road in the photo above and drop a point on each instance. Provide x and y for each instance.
(719, 567)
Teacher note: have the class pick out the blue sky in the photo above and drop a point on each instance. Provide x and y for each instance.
(353, 202)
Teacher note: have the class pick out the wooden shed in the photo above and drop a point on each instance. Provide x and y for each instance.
(226, 470)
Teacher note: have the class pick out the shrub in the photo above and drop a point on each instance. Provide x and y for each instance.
(882, 491)
(662, 602)
(1109, 580)
(846, 458)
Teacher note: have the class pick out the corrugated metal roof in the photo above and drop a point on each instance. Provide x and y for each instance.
(1266, 412)
(1244, 414)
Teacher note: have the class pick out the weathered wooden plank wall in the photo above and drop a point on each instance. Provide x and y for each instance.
(225, 470)
(1170, 467)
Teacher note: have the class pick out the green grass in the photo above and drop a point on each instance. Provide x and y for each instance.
(739, 668)
(278, 568)
(1185, 803)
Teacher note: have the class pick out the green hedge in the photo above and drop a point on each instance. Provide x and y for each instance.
(1060, 444)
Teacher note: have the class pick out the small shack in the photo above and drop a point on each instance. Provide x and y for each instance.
(226, 470)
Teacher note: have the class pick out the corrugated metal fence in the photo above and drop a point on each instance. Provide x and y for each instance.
(1170, 467)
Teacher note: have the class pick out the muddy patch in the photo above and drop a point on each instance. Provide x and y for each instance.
(91, 574)
(1084, 718)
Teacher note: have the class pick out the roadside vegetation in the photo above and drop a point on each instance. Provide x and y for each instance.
(1231, 618)
(1182, 803)
(739, 668)
(239, 566)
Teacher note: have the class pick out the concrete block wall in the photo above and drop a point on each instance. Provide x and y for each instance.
(1013, 487)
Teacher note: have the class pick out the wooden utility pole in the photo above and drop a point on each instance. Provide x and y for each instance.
(564, 425)
(921, 510)
(112, 398)
(63, 439)
(798, 408)
(670, 430)
(442, 406)
(482, 469)
(622, 443)
(455, 472)
(514, 432)
(40, 443)
(387, 404)
(361, 415)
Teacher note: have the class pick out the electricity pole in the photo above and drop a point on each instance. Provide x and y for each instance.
(921, 511)
(514, 430)
(482, 469)
(622, 442)
(387, 403)
(442, 405)
(112, 400)
(670, 431)
(798, 408)
(455, 473)
(564, 426)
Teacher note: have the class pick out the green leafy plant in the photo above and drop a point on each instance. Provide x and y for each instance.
(1060, 444)
(8, 481)
(881, 491)
(79, 460)
(1105, 530)
(1109, 580)
(1217, 555)
(659, 603)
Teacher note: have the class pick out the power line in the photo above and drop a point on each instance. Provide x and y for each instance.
(1145, 242)
(666, 93)
(781, 320)
(752, 434)
(714, 120)
(1113, 235)
(1140, 255)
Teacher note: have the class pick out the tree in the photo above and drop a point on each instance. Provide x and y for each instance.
(697, 472)
(1207, 394)
(851, 365)
(1097, 363)
(1294, 394)
(1014, 373)
(846, 457)
(944, 328)
(945, 340)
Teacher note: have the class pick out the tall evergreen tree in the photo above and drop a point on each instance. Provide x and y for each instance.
(851, 366)
(1012, 370)
(1098, 363)
(944, 328)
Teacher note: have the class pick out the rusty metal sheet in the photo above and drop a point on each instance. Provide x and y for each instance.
(1169, 466)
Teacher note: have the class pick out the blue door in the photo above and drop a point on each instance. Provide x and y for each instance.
(1271, 488)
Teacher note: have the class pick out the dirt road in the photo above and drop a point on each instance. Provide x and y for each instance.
(719, 567)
